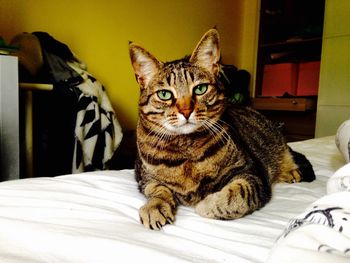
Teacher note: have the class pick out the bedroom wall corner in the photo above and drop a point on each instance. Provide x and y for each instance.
(249, 39)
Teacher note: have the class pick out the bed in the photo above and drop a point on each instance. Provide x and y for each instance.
(93, 217)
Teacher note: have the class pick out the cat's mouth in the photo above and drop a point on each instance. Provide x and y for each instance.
(182, 128)
(188, 128)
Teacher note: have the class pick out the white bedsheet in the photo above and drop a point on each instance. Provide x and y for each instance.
(93, 217)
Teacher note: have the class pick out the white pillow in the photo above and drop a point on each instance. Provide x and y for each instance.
(342, 139)
(340, 180)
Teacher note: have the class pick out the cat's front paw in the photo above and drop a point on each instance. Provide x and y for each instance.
(156, 213)
(229, 203)
(207, 207)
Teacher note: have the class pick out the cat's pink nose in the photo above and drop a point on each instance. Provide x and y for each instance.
(185, 106)
(186, 112)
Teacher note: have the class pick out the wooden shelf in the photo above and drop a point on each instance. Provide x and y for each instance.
(284, 104)
(36, 86)
(290, 31)
(296, 115)
(316, 41)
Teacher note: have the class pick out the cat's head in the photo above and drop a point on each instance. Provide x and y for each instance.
(182, 96)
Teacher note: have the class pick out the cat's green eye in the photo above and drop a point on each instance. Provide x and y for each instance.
(200, 89)
(164, 94)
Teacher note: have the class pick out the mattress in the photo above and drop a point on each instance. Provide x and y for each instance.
(93, 217)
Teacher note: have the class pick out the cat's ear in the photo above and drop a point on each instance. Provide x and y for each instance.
(207, 52)
(145, 65)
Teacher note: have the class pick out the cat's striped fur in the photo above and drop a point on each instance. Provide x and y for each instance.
(195, 149)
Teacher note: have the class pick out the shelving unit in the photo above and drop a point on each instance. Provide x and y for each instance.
(290, 31)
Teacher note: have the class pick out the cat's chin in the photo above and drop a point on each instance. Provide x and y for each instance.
(183, 129)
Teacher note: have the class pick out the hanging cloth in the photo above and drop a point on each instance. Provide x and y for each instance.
(97, 131)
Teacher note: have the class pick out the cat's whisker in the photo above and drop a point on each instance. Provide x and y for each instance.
(208, 128)
(226, 123)
(161, 136)
(214, 131)
(154, 136)
(226, 135)
(218, 139)
(217, 128)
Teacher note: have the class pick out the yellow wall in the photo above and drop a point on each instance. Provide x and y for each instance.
(98, 33)
(249, 39)
(334, 90)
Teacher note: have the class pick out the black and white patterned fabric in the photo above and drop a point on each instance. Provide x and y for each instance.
(77, 129)
(97, 131)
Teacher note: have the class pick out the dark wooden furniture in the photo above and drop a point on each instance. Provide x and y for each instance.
(290, 31)
(295, 116)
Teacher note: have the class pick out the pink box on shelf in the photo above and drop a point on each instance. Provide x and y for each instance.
(279, 79)
(308, 78)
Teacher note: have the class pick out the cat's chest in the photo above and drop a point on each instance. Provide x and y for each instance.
(185, 179)
(197, 168)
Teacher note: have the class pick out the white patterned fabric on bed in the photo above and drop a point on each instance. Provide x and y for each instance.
(322, 232)
(93, 217)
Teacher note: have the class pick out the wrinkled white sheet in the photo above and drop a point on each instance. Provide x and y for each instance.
(93, 217)
(322, 232)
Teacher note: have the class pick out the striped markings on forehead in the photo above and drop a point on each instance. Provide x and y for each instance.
(182, 74)
(178, 74)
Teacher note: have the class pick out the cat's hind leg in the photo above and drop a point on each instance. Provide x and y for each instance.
(305, 168)
(243, 195)
(294, 168)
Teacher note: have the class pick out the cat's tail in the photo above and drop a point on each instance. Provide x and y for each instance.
(305, 167)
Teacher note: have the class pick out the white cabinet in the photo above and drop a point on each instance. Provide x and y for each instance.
(9, 119)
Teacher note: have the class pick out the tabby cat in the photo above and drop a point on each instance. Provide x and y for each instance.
(196, 149)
